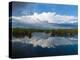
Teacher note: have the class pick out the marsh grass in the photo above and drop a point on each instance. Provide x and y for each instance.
(21, 32)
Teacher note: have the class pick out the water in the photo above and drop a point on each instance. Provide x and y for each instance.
(42, 44)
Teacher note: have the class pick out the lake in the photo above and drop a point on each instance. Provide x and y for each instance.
(42, 44)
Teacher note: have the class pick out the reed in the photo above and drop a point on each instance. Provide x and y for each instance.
(21, 32)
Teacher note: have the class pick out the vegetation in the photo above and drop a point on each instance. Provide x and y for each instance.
(21, 32)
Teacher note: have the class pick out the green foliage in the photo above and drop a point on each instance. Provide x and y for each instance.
(21, 32)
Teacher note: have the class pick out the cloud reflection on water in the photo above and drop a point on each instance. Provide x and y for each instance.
(44, 40)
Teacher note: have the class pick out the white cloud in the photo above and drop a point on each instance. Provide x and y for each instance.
(50, 17)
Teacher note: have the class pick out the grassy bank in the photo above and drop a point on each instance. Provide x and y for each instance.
(21, 32)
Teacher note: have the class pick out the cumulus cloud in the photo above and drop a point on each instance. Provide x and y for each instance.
(49, 42)
(50, 17)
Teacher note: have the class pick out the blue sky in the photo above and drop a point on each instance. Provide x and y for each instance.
(45, 14)
(28, 8)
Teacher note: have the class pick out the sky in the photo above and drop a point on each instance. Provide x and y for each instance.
(42, 15)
